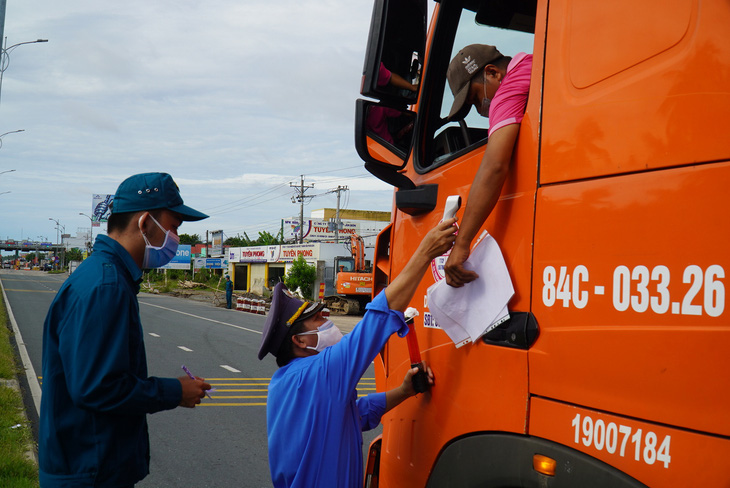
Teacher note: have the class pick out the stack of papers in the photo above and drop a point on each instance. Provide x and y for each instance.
(471, 311)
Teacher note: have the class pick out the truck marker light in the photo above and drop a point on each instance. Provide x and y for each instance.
(544, 465)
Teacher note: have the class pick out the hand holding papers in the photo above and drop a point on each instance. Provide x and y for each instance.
(471, 311)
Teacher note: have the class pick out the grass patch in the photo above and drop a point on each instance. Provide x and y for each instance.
(165, 282)
(7, 353)
(16, 469)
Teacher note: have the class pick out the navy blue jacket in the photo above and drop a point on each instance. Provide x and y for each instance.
(96, 392)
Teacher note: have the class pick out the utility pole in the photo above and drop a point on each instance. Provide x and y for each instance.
(338, 190)
(2, 19)
(299, 197)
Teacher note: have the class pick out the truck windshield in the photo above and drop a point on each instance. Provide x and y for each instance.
(448, 139)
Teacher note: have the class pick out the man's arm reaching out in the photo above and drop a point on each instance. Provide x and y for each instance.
(437, 241)
(483, 196)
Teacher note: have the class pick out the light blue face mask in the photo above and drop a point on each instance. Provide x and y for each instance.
(154, 256)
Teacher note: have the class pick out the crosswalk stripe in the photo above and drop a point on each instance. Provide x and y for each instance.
(226, 397)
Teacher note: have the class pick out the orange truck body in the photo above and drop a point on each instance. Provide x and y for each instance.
(614, 225)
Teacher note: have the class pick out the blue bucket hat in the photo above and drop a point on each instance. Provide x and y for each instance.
(285, 311)
(151, 191)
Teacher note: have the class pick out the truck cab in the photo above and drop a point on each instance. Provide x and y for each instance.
(611, 369)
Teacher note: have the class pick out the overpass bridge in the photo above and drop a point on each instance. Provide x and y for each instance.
(28, 246)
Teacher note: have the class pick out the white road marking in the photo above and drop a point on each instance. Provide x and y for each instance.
(154, 335)
(230, 368)
(35, 386)
(203, 318)
(184, 348)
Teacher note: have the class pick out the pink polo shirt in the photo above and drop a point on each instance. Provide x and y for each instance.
(510, 101)
(377, 119)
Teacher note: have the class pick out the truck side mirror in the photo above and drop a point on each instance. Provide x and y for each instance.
(383, 138)
(396, 42)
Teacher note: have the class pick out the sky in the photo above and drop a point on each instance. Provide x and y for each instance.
(235, 99)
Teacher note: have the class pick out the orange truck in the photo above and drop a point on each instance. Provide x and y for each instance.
(614, 369)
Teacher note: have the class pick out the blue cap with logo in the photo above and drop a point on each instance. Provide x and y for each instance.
(151, 191)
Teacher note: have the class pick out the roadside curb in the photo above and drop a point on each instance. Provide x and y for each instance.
(29, 371)
(35, 387)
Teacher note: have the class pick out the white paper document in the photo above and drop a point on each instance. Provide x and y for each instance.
(471, 311)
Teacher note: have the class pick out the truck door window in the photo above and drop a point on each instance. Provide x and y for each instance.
(449, 137)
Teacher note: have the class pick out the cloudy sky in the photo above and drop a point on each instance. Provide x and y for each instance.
(235, 99)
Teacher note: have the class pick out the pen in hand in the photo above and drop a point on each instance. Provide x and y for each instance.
(191, 376)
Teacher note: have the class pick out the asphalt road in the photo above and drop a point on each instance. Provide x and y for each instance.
(220, 443)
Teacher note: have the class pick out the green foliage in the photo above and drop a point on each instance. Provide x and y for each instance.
(301, 275)
(190, 239)
(157, 278)
(7, 354)
(238, 241)
(208, 277)
(264, 239)
(15, 469)
(73, 255)
(268, 239)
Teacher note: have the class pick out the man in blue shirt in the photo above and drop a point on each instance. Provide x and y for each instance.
(314, 417)
(229, 292)
(96, 391)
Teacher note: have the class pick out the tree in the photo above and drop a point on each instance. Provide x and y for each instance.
(73, 255)
(301, 275)
(268, 239)
(264, 239)
(238, 241)
(190, 239)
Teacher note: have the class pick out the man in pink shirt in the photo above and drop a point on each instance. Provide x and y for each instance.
(377, 120)
(498, 87)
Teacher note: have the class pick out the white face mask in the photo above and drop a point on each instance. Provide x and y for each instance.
(327, 335)
(154, 256)
(486, 102)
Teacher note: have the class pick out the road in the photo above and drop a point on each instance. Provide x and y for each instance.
(220, 443)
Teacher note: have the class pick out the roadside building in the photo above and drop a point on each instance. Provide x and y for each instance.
(320, 227)
(254, 269)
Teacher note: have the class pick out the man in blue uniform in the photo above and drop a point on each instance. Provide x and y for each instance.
(96, 391)
(314, 417)
(229, 292)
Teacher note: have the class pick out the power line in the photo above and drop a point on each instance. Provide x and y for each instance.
(300, 189)
(249, 198)
(260, 225)
(333, 170)
(242, 202)
(239, 207)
